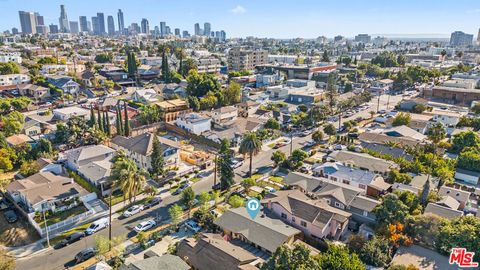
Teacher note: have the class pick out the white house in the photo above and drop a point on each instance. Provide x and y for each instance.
(52, 69)
(11, 57)
(194, 123)
(224, 114)
(14, 79)
(145, 96)
(68, 112)
(467, 176)
(446, 117)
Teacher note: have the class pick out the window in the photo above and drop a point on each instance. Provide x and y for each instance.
(365, 213)
(362, 186)
(338, 205)
(346, 182)
(293, 219)
(333, 178)
(283, 215)
(303, 223)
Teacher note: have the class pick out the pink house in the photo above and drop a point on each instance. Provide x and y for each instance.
(315, 218)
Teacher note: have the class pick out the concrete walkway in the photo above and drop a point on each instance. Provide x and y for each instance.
(27, 250)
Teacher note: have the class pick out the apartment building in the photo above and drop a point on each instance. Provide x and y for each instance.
(239, 59)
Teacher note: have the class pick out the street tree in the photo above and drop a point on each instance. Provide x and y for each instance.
(250, 146)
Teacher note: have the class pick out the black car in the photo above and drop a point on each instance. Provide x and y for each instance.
(85, 255)
(152, 202)
(74, 237)
(10, 216)
(217, 186)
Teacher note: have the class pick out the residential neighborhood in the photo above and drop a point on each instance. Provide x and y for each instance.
(138, 146)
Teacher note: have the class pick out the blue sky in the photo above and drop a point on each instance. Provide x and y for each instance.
(273, 18)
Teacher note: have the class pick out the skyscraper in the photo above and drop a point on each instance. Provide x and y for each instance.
(167, 30)
(95, 26)
(39, 19)
(459, 38)
(111, 26)
(121, 22)
(177, 32)
(207, 29)
(74, 27)
(223, 35)
(145, 27)
(478, 37)
(53, 28)
(27, 22)
(185, 34)
(163, 29)
(63, 20)
(15, 31)
(197, 30)
(83, 24)
(101, 23)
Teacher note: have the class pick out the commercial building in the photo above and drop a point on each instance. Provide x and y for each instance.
(27, 22)
(74, 29)
(363, 38)
(83, 24)
(145, 27)
(101, 23)
(63, 20)
(459, 38)
(111, 26)
(121, 22)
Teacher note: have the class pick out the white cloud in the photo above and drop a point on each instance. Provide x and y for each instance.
(238, 10)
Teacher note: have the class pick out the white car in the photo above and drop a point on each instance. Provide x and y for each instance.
(133, 210)
(192, 225)
(236, 163)
(97, 226)
(146, 225)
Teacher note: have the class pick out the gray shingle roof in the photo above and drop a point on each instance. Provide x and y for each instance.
(442, 211)
(142, 144)
(164, 262)
(362, 160)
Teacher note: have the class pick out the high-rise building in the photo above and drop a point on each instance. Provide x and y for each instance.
(163, 29)
(197, 30)
(459, 38)
(168, 30)
(121, 22)
(63, 20)
(83, 24)
(363, 38)
(145, 26)
(177, 32)
(27, 22)
(53, 28)
(223, 35)
(74, 27)
(42, 29)
(478, 37)
(207, 28)
(101, 23)
(134, 28)
(95, 26)
(15, 31)
(156, 30)
(185, 34)
(111, 26)
(39, 19)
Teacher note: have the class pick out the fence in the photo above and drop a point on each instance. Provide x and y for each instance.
(58, 227)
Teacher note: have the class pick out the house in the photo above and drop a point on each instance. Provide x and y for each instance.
(224, 114)
(14, 79)
(107, 103)
(461, 196)
(362, 161)
(212, 251)
(404, 132)
(145, 96)
(410, 104)
(452, 95)
(194, 123)
(372, 183)
(384, 149)
(315, 218)
(447, 118)
(263, 232)
(305, 95)
(92, 162)
(46, 191)
(65, 83)
(387, 84)
(36, 92)
(53, 68)
(442, 211)
(417, 183)
(66, 113)
(385, 139)
(32, 128)
(139, 148)
(18, 139)
(467, 176)
(119, 77)
(171, 109)
(164, 262)
(235, 130)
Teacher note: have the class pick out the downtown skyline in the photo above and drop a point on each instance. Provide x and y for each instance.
(248, 18)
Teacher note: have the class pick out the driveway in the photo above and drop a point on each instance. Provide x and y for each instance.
(17, 234)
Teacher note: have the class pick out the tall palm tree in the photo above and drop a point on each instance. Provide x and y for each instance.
(251, 146)
(129, 178)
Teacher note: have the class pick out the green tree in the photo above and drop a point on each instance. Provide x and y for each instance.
(104, 58)
(107, 124)
(318, 113)
(461, 232)
(330, 129)
(236, 201)
(225, 165)
(194, 103)
(385, 59)
(465, 139)
(118, 121)
(149, 114)
(318, 136)
(247, 183)
(92, 122)
(131, 64)
(232, 94)
(12, 123)
(424, 229)
(391, 210)
(286, 258)
(325, 57)
(130, 179)
(331, 92)
(204, 198)
(338, 258)
(157, 161)
(9, 68)
(175, 213)
(278, 157)
(29, 168)
(200, 84)
(208, 101)
(402, 119)
(188, 199)
(250, 146)
(126, 125)
(272, 123)
(165, 68)
(296, 159)
(100, 121)
(377, 252)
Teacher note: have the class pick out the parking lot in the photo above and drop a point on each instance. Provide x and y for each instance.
(17, 234)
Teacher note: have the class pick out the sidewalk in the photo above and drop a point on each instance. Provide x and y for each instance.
(27, 250)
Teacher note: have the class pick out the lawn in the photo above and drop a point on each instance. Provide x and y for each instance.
(57, 217)
(271, 145)
(117, 198)
(256, 176)
(276, 179)
(61, 236)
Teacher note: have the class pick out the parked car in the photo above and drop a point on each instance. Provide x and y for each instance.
(133, 210)
(236, 163)
(10, 216)
(152, 202)
(85, 255)
(305, 133)
(72, 238)
(181, 189)
(146, 225)
(4, 204)
(97, 226)
(192, 225)
(217, 186)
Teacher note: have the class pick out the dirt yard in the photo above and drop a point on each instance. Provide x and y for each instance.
(16, 234)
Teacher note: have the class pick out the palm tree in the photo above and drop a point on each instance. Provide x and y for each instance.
(250, 145)
(436, 134)
(129, 178)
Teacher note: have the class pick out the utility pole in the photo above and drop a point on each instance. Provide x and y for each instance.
(215, 171)
(46, 227)
(110, 220)
(378, 102)
(291, 142)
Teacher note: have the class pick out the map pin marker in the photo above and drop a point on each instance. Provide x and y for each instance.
(253, 207)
